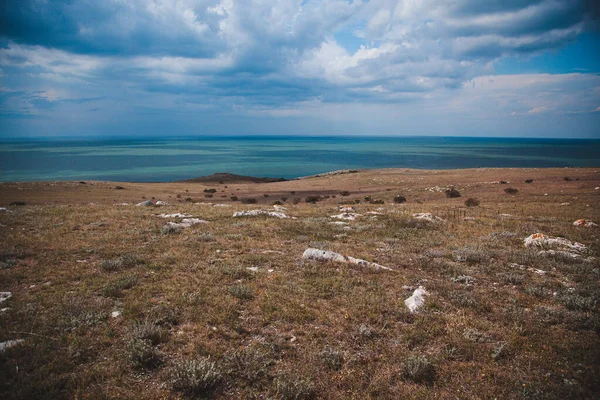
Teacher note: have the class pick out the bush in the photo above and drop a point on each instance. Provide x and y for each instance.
(296, 200)
(234, 198)
(208, 195)
(294, 388)
(312, 199)
(115, 288)
(265, 195)
(149, 331)
(196, 378)
(452, 193)
(345, 193)
(119, 188)
(141, 353)
(277, 203)
(170, 229)
(18, 203)
(567, 178)
(399, 199)
(511, 191)
(332, 358)
(249, 201)
(418, 369)
(368, 198)
(528, 180)
(210, 190)
(242, 292)
(471, 202)
(284, 198)
(379, 201)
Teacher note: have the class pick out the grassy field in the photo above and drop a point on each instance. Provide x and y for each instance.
(111, 304)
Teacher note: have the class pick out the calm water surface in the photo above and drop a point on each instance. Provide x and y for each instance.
(159, 160)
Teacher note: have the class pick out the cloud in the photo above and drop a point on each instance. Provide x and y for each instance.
(281, 58)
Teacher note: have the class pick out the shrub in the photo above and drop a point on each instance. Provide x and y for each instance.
(249, 363)
(368, 198)
(146, 330)
(265, 195)
(111, 265)
(452, 193)
(332, 358)
(284, 198)
(196, 378)
(379, 201)
(234, 198)
(115, 288)
(576, 302)
(206, 237)
(296, 200)
(18, 203)
(277, 203)
(345, 193)
(141, 353)
(471, 202)
(418, 369)
(567, 178)
(210, 190)
(399, 199)
(528, 180)
(294, 388)
(312, 199)
(170, 229)
(208, 195)
(249, 201)
(511, 191)
(499, 351)
(119, 188)
(242, 292)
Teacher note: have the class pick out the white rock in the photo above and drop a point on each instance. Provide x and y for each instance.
(4, 209)
(5, 296)
(115, 314)
(161, 203)
(373, 213)
(254, 213)
(122, 204)
(253, 269)
(339, 223)
(559, 253)
(348, 216)
(584, 223)
(324, 255)
(346, 209)
(277, 207)
(565, 204)
(221, 205)
(5, 309)
(428, 217)
(187, 222)
(597, 188)
(176, 215)
(10, 343)
(417, 300)
(145, 203)
(545, 242)
(505, 215)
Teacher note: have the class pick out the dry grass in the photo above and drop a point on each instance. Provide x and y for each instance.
(229, 309)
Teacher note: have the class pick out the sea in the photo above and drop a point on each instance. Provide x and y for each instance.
(171, 159)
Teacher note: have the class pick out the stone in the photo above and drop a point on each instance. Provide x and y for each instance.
(10, 343)
(176, 215)
(254, 213)
(115, 314)
(417, 300)
(428, 217)
(348, 216)
(5, 296)
(542, 241)
(584, 223)
(161, 203)
(325, 255)
(146, 203)
(187, 222)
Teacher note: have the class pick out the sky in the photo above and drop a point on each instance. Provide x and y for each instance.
(501, 68)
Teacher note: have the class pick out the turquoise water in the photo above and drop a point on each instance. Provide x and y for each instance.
(160, 160)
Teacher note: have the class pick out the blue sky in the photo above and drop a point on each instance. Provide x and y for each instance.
(518, 68)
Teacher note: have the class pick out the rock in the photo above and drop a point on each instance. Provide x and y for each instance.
(115, 314)
(4, 209)
(277, 207)
(566, 254)
(374, 213)
(584, 223)
(346, 209)
(543, 241)
(505, 215)
(5, 296)
(146, 203)
(254, 213)
(597, 188)
(253, 269)
(565, 204)
(222, 205)
(176, 215)
(428, 217)
(10, 343)
(187, 222)
(348, 216)
(417, 300)
(161, 203)
(339, 223)
(5, 309)
(324, 255)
